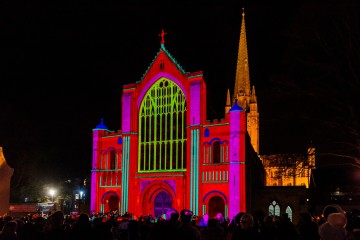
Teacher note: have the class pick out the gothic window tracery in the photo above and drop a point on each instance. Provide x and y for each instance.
(162, 128)
(274, 209)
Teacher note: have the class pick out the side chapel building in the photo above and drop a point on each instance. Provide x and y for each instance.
(168, 155)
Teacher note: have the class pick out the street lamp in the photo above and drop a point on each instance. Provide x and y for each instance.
(52, 193)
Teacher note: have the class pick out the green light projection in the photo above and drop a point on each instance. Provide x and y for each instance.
(162, 128)
(194, 177)
(125, 175)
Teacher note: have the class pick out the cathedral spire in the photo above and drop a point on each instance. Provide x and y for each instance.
(242, 78)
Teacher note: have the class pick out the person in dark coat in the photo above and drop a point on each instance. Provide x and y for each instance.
(308, 229)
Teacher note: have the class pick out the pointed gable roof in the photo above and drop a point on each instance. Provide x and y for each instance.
(163, 51)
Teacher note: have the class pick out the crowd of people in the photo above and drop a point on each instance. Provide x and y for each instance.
(334, 224)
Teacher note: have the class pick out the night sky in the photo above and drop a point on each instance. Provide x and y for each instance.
(63, 65)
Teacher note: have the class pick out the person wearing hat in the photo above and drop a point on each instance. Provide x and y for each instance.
(334, 228)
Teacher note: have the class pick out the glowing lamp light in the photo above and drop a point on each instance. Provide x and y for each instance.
(52, 193)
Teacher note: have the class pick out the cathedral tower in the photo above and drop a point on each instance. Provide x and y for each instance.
(243, 93)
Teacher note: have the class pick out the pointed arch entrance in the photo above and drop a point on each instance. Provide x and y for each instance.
(157, 197)
(162, 203)
(216, 205)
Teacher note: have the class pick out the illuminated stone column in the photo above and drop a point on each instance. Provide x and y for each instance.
(195, 101)
(126, 129)
(98, 132)
(125, 175)
(237, 191)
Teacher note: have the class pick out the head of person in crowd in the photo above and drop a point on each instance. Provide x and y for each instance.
(246, 221)
(238, 217)
(172, 215)
(332, 208)
(82, 221)
(204, 220)
(213, 223)
(337, 220)
(219, 217)
(334, 227)
(305, 217)
(55, 221)
(186, 216)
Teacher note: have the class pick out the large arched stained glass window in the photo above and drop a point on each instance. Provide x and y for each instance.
(162, 130)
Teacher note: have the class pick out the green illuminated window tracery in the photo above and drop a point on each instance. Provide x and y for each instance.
(162, 138)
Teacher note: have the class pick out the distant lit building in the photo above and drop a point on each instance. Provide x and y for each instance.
(289, 169)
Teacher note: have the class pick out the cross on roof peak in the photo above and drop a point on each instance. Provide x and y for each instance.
(162, 35)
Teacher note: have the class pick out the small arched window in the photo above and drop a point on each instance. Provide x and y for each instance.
(112, 159)
(216, 152)
(207, 133)
(289, 212)
(103, 159)
(274, 209)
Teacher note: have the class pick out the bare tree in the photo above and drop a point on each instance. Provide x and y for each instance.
(320, 76)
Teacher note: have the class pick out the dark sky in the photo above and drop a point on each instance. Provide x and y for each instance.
(63, 65)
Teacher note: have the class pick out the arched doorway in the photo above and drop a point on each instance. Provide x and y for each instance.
(162, 203)
(111, 203)
(216, 205)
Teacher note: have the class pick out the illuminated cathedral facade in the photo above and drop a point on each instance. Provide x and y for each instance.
(168, 155)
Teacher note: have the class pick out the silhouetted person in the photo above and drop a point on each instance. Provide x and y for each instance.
(185, 231)
(82, 228)
(269, 229)
(245, 229)
(334, 227)
(102, 230)
(54, 227)
(8, 231)
(308, 229)
(213, 231)
(166, 229)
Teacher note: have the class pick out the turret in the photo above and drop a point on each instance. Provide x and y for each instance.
(228, 102)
